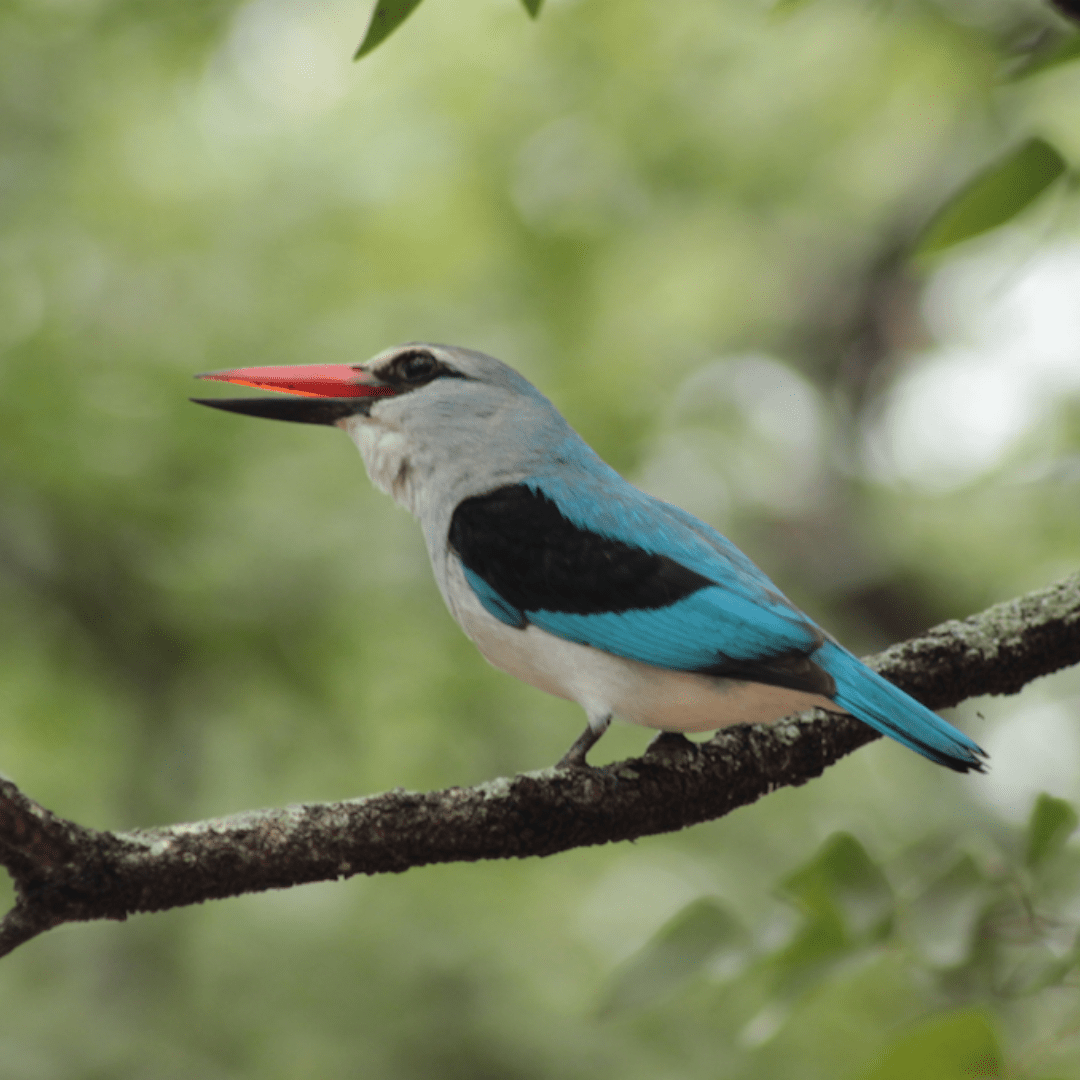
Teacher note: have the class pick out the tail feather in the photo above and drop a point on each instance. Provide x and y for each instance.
(875, 701)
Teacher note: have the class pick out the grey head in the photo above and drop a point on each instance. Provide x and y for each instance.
(459, 423)
(433, 423)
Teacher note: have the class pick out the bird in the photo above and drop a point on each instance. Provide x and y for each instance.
(567, 576)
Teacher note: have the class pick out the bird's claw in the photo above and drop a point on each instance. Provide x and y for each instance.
(575, 757)
(671, 746)
(573, 760)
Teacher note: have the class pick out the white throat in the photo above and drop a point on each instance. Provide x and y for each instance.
(394, 463)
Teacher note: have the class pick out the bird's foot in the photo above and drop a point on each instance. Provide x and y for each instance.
(671, 746)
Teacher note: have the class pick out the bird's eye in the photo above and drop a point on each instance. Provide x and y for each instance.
(416, 367)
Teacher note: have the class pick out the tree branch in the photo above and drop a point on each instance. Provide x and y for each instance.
(64, 872)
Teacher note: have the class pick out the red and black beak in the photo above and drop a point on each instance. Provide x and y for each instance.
(325, 393)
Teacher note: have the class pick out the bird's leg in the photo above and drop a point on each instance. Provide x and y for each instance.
(574, 758)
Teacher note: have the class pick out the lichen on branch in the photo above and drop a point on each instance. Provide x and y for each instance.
(64, 872)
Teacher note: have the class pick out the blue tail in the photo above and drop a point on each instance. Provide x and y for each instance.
(875, 701)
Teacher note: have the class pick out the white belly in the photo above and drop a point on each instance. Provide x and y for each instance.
(606, 685)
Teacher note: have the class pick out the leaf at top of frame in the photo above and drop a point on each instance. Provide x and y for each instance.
(386, 17)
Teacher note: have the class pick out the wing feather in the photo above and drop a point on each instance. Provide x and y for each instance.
(639, 583)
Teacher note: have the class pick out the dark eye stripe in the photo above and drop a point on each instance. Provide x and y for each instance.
(415, 368)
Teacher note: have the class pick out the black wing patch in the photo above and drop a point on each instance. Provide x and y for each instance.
(516, 539)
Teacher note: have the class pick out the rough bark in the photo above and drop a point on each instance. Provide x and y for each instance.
(64, 872)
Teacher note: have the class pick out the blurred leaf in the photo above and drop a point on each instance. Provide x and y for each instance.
(386, 17)
(1052, 822)
(1063, 52)
(704, 934)
(843, 877)
(995, 196)
(820, 942)
(533, 7)
(848, 903)
(1039, 970)
(960, 1046)
(782, 8)
(941, 922)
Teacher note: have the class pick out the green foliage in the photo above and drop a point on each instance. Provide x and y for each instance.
(1053, 821)
(783, 8)
(846, 903)
(942, 920)
(995, 196)
(704, 935)
(844, 884)
(685, 223)
(984, 942)
(957, 1046)
(386, 17)
(1064, 50)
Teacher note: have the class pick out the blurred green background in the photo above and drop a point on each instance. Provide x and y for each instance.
(689, 224)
